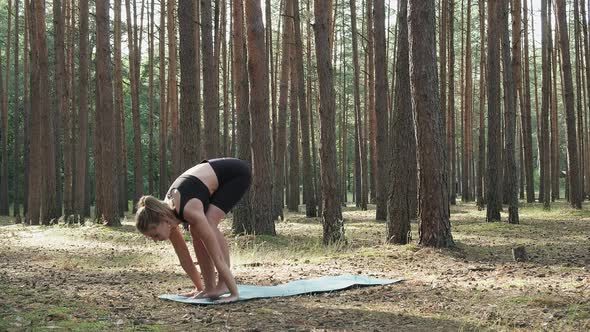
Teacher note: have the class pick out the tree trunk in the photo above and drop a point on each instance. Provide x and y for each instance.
(294, 141)
(362, 180)
(526, 115)
(510, 95)
(586, 174)
(281, 141)
(402, 197)
(33, 210)
(482, 94)
(370, 70)
(381, 109)
(467, 111)
(4, 203)
(333, 224)
(81, 166)
(545, 92)
(572, 147)
(433, 197)
(173, 88)
(17, 118)
(163, 113)
(554, 126)
(137, 155)
(151, 156)
(190, 116)
(494, 168)
(226, 138)
(119, 111)
(106, 198)
(243, 215)
(209, 89)
(259, 112)
(579, 99)
(450, 130)
(309, 196)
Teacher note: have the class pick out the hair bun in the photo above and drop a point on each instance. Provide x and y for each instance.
(142, 201)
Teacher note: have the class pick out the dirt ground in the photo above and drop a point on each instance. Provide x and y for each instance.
(92, 278)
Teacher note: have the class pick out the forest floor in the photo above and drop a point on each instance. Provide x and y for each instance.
(96, 278)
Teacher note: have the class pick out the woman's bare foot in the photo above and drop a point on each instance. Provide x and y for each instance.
(228, 299)
(190, 294)
(218, 291)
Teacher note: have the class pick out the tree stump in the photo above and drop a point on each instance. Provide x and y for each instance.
(519, 254)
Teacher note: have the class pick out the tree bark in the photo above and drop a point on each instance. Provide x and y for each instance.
(510, 95)
(494, 169)
(545, 92)
(309, 196)
(572, 146)
(402, 196)
(482, 94)
(526, 115)
(4, 203)
(362, 179)
(209, 82)
(467, 114)
(17, 117)
(190, 116)
(119, 111)
(172, 99)
(259, 112)
(106, 198)
(333, 224)
(81, 167)
(163, 113)
(433, 197)
(294, 140)
(281, 141)
(243, 214)
(450, 112)
(381, 109)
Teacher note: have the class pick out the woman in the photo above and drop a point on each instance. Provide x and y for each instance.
(199, 198)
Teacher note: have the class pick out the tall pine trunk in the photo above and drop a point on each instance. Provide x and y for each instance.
(468, 110)
(308, 194)
(281, 140)
(510, 134)
(381, 109)
(494, 143)
(402, 197)
(482, 93)
(81, 167)
(106, 198)
(209, 82)
(572, 146)
(333, 224)
(545, 93)
(433, 196)
(259, 112)
(190, 116)
(243, 221)
(526, 115)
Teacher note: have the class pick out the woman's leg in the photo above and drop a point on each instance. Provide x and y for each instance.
(214, 216)
(205, 263)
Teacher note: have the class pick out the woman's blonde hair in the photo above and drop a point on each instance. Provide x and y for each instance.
(150, 212)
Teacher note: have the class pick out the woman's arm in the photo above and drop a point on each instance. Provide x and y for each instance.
(201, 226)
(184, 256)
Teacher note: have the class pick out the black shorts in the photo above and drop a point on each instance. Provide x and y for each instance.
(234, 176)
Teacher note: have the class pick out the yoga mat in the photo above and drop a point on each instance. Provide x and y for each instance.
(305, 286)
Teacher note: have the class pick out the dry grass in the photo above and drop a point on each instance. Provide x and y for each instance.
(95, 278)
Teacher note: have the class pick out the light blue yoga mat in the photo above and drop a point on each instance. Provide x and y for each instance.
(305, 286)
